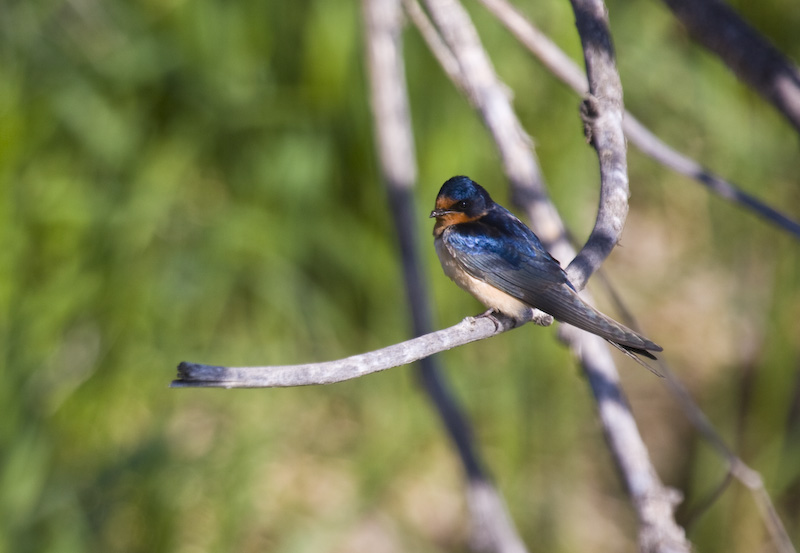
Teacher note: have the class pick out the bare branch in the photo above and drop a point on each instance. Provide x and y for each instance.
(435, 43)
(602, 113)
(645, 141)
(653, 502)
(495, 530)
(755, 61)
(329, 372)
(649, 144)
(544, 49)
(737, 468)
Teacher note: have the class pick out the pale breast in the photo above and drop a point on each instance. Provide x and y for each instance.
(487, 294)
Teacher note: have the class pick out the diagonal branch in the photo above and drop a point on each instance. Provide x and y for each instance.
(749, 477)
(484, 91)
(434, 42)
(737, 468)
(566, 70)
(755, 61)
(649, 144)
(604, 108)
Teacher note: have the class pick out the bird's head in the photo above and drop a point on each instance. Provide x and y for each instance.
(460, 200)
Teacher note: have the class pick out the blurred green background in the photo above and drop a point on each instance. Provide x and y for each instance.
(196, 180)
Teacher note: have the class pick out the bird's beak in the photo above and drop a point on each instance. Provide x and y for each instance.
(439, 213)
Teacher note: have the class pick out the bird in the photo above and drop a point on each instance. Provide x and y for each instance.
(486, 250)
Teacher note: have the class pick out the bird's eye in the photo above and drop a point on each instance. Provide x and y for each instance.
(463, 204)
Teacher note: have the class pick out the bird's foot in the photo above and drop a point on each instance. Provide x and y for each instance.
(491, 315)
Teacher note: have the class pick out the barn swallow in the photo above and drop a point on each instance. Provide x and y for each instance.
(495, 257)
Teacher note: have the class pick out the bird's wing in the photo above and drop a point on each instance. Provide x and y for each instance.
(524, 270)
(518, 267)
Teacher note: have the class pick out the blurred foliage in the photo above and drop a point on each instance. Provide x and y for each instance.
(196, 180)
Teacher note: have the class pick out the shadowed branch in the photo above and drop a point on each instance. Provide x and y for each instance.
(715, 25)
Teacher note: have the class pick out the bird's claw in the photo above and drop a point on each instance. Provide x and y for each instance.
(490, 314)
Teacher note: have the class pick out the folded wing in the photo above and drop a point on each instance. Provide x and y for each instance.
(524, 270)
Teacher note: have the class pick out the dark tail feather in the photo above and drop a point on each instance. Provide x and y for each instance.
(566, 306)
(634, 353)
(637, 351)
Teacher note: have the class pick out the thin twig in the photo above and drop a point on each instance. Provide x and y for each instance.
(566, 70)
(544, 49)
(649, 144)
(434, 42)
(691, 518)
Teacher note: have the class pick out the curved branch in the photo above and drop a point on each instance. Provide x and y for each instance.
(567, 71)
(602, 113)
